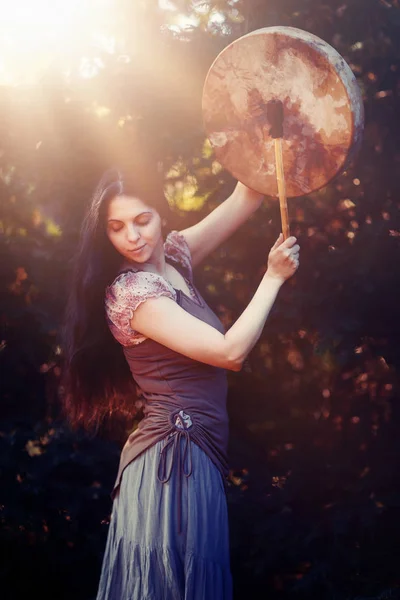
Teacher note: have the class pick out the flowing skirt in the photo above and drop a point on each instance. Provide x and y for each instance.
(146, 557)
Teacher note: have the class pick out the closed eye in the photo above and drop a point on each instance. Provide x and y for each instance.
(115, 228)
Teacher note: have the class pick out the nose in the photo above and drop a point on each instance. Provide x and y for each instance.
(133, 234)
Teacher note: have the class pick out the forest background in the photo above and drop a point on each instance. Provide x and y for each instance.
(314, 492)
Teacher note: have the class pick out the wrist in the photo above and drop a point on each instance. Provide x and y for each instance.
(249, 195)
(272, 279)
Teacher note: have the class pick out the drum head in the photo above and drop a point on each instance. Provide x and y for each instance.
(323, 112)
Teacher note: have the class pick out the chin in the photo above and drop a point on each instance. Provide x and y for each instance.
(142, 257)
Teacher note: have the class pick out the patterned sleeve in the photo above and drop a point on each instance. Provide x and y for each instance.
(177, 249)
(127, 292)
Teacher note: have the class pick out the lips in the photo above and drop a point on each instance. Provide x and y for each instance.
(137, 249)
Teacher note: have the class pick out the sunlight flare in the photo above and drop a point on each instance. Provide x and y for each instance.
(34, 33)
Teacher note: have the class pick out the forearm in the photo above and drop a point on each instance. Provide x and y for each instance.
(212, 231)
(245, 332)
(246, 200)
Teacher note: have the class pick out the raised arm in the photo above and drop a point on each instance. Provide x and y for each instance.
(205, 236)
(164, 321)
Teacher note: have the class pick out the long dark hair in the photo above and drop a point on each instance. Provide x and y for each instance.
(96, 380)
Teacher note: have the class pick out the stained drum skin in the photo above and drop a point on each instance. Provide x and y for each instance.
(322, 107)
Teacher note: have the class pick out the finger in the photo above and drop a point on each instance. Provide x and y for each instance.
(289, 242)
(287, 252)
(295, 258)
(278, 242)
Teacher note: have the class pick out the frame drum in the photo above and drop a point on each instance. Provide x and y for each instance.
(323, 113)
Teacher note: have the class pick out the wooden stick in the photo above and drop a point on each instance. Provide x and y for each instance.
(275, 117)
(280, 177)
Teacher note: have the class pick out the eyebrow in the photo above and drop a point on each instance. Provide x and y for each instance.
(146, 212)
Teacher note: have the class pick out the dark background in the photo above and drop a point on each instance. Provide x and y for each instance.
(314, 493)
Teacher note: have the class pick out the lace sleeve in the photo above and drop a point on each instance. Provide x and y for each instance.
(127, 292)
(177, 249)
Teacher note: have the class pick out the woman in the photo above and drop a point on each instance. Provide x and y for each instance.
(168, 536)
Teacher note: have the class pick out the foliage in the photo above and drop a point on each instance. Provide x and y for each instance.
(54, 509)
(313, 492)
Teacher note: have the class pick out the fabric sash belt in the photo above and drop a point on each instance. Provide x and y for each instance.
(182, 424)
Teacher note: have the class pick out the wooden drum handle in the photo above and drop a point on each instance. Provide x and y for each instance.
(280, 176)
(275, 118)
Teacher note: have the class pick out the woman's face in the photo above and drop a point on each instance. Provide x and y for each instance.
(133, 228)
